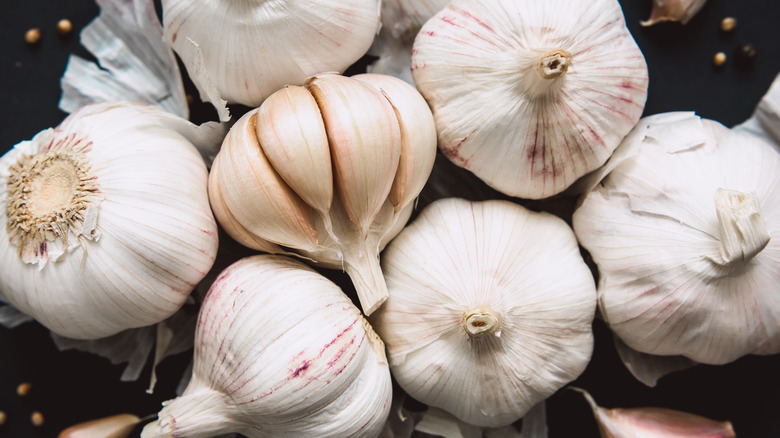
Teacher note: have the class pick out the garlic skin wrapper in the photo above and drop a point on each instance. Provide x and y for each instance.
(653, 422)
(480, 322)
(328, 171)
(106, 222)
(280, 351)
(685, 231)
(673, 10)
(525, 96)
(249, 49)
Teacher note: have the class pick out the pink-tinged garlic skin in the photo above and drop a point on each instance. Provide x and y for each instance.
(280, 351)
(526, 97)
(667, 287)
(673, 10)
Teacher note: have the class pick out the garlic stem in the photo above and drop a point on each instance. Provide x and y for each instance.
(197, 414)
(364, 269)
(481, 321)
(743, 232)
(553, 64)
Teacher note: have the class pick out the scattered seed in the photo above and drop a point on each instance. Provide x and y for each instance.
(64, 27)
(728, 24)
(719, 59)
(32, 36)
(3, 417)
(746, 52)
(36, 418)
(23, 388)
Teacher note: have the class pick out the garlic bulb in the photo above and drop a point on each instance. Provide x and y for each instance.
(106, 222)
(479, 311)
(673, 10)
(530, 95)
(685, 231)
(653, 422)
(329, 171)
(247, 50)
(280, 351)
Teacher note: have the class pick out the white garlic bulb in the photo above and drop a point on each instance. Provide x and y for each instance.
(106, 222)
(673, 10)
(685, 231)
(490, 309)
(526, 97)
(329, 171)
(249, 49)
(280, 351)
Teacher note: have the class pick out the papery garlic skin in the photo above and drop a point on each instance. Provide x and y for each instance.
(247, 50)
(526, 97)
(125, 231)
(280, 351)
(681, 271)
(673, 10)
(490, 309)
(328, 171)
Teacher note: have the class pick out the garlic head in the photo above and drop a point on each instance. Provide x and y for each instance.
(527, 98)
(328, 171)
(280, 351)
(479, 312)
(106, 222)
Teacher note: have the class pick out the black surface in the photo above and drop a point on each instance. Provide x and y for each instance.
(69, 387)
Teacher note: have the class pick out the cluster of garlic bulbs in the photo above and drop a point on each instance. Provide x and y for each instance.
(328, 170)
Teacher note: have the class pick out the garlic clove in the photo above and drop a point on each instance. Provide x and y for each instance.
(290, 130)
(653, 422)
(260, 200)
(418, 136)
(525, 97)
(673, 10)
(115, 426)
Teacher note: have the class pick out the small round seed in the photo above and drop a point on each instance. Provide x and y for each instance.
(719, 59)
(36, 418)
(23, 388)
(32, 36)
(64, 27)
(728, 24)
(746, 52)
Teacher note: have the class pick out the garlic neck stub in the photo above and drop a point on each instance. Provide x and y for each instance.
(743, 232)
(481, 321)
(553, 64)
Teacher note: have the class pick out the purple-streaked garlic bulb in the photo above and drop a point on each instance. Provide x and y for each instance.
(280, 351)
(525, 96)
(490, 309)
(328, 171)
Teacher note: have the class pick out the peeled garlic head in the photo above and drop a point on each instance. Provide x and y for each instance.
(249, 49)
(686, 235)
(106, 222)
(528, 97)
(490, 309)
(280, 351)
(329, 171)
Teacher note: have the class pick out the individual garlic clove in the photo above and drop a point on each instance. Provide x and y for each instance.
(291, 132)
(418, 136)
(473, 296)
(260, 200)
(673, 10)
(525, 97)
(115, 426)
(280, 351)
(251, 49)
(653, 422)
(365, 145)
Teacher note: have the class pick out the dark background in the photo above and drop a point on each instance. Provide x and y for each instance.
(69, 387)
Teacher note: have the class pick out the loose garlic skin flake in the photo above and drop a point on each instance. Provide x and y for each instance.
(247, 50)
(526, 97)
(490, 309)
(280, 351)
(106, 223)
(686, 235)
(328, 171)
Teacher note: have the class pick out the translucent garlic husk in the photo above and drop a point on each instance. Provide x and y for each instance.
(673, 10)
(479, 312)
(106, 222)
(655, 422)
(247, 50)
(328, 171)
(280, 351)
(685, 231)
(528, 98)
